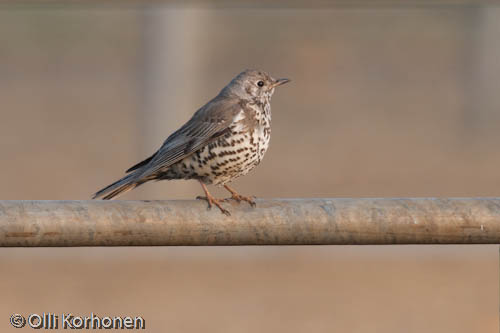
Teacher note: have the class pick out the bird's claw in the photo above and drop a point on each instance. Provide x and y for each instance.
(213, 201)
(239, 198)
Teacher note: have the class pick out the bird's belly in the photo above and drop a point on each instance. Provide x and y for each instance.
(221, 161)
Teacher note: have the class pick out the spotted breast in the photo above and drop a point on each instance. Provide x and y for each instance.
(234, 154)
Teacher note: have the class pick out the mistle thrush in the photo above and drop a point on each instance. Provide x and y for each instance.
(223, 140)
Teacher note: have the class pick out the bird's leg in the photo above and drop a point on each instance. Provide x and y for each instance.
(238, 197)
(212, 200)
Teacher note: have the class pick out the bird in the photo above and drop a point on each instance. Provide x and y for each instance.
(224, 139)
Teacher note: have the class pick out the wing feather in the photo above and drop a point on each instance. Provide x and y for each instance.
(207, 124)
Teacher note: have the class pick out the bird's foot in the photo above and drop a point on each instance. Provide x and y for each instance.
(239, 198)
(213, 201)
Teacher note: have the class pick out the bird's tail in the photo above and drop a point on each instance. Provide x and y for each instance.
(119, 187)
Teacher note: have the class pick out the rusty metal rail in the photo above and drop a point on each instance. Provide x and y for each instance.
(273, 222)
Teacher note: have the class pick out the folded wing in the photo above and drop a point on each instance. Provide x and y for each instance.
(207, 124)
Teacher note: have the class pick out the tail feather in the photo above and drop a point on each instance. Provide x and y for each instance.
(119, 187)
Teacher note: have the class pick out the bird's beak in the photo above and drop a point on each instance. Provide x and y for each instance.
(279, 82)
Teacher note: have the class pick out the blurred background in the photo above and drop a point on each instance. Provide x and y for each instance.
(388, 99)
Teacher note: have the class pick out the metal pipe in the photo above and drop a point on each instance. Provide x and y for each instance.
(273, 222)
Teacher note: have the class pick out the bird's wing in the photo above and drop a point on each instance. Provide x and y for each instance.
(207, 124)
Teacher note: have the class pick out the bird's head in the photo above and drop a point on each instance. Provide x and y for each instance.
(253, 84)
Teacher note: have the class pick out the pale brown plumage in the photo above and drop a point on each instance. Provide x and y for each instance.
(223, 140)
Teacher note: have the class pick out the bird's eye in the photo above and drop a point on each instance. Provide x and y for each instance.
(260, 83)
